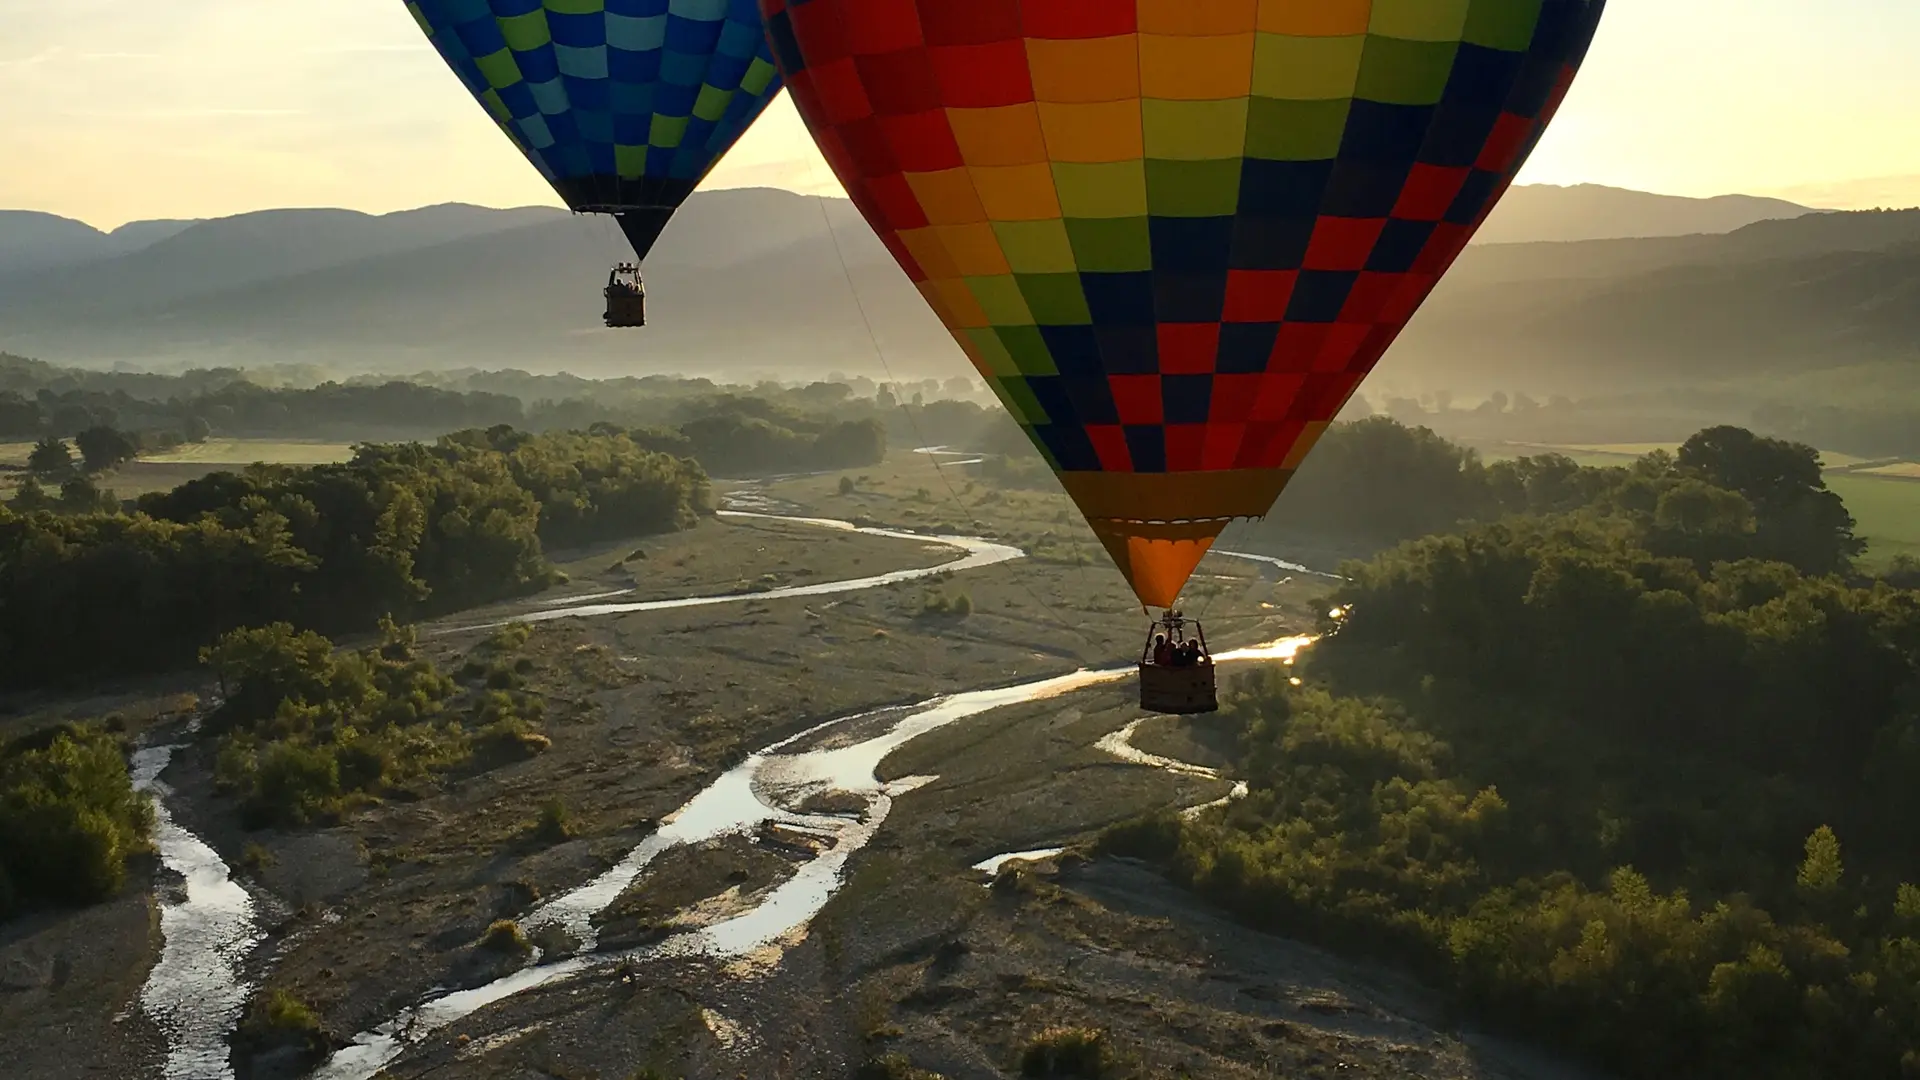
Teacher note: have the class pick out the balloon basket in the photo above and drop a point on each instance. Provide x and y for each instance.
(1176, 670)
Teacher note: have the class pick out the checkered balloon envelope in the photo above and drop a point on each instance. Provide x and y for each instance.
(623, 105)
(1175, 235)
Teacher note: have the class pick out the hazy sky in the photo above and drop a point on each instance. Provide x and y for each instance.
(112, 110)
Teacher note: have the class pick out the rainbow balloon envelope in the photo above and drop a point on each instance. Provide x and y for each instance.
(1175, 235)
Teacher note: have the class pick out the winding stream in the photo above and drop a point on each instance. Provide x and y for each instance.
(978, 553)
(753, 792)
(197, 990)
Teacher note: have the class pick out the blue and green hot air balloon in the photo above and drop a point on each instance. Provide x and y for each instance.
(623, 105)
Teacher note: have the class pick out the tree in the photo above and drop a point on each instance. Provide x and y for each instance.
(1705, 523)
(30, 496)
(196, 429)
(1906, 904)
(1380, 480)
(260, 667)
(1820, 872)
(69, 818)
(50, 457)
(1797, 520)
(80, 495)
(102, 448)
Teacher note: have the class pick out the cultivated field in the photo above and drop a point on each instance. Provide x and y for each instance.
(248, 451)
(164, 472)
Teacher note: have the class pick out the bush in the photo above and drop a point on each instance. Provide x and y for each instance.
(936, 604)
(294, 784)
(505, 936)
(556, 822)
(510, 637)
(512, 738)
(281, 1011)
(280, 1019)
(310, 731)
(1066, 1052)
(69, 818)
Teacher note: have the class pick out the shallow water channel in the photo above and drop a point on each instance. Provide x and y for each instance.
(197, 991)
(757, 790)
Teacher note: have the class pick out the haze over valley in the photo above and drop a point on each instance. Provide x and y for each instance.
(1569, 290)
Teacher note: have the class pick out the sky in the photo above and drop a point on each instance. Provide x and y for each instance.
(117, 110)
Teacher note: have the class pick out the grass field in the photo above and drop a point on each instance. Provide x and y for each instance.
(1884, 499)
(164, 472)
(1620, 453)
(222, 452)
(249, 451)
(1899, 470)
(1886, 513)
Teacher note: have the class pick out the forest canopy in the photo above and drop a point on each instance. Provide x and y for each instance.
(1629, 766)
(408, 530)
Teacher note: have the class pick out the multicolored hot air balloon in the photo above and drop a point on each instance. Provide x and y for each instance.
(1174, 235)
(623, 105)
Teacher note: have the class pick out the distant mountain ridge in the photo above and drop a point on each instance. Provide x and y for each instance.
(1541, 212)
(757, 280)
(31, 241)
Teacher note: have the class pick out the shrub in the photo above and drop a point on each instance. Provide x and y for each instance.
(510, 637)
(512, 738)
(281, 1011)
(1066, 1052)
(280, 1019)
(935, 604)
(505, 936)
(69, 818)
(556, 822)
(294, 784)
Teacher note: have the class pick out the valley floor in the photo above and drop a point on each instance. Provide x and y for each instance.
(915, 955)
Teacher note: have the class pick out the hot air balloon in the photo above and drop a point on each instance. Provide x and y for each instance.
(623, 105)
(1174, 235)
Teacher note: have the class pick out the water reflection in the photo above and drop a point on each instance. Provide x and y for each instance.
(758, 790)
(977, 553)
(196, 991)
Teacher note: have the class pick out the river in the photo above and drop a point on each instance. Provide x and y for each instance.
(197, 991)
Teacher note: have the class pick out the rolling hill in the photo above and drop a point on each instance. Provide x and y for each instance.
(1777, 297)
(1533, 212)
(458, 286)
(33, 242)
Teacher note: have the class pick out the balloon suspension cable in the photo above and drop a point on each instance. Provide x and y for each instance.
(880, 354)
